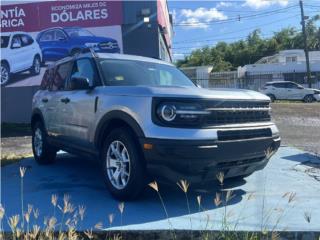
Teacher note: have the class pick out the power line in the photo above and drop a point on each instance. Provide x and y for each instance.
(236, 19)
(240, 30)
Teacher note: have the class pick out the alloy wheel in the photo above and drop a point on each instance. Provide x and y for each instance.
(118, 164)
(4, 75)
(37, 142)
(37, 65)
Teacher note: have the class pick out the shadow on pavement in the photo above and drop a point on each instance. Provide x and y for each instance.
(303, 158)
(83, 181)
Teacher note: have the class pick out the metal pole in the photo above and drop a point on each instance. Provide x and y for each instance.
(305, 43)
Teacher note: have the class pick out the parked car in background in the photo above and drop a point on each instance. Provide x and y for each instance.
(19, 52)
(285, 90)
(57, 43)
(142, 117)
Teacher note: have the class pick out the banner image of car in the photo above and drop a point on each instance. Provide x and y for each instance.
(60, 29)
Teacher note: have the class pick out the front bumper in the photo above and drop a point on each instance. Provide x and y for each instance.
(201, 160)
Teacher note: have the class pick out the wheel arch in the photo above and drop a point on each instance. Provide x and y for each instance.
(6, 62)
(113, 120)
(37, 116)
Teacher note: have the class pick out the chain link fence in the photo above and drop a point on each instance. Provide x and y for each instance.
(252, 81)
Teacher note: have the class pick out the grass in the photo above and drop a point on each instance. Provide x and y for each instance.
(11, 158)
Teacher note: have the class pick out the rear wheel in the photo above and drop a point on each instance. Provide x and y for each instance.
(123, 167)
(42, 151)
(5, 74)
(36, 66)
(308, 99)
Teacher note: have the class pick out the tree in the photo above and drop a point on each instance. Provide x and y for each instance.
(228, 56)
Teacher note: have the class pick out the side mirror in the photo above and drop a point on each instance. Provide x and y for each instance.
(16, 45)
(79, 83)
(299, 87)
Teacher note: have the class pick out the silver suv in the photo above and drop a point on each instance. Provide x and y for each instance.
(143, 118)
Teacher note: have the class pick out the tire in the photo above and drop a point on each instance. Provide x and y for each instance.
(308, 99)
(5, 74)
(121, 155)
(36, 66)
(75, 52)
(272, 97)
(42, 151)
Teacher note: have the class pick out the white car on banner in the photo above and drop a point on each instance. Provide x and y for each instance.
(19, 53)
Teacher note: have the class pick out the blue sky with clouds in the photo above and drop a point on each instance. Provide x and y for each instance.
(201, 23)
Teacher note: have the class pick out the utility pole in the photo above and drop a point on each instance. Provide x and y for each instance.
(303, 23)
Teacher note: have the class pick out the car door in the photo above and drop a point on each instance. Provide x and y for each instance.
(52, 47)
(28, 49)
(79, 110)
(293, 91)
(18, 55)
(55, 104)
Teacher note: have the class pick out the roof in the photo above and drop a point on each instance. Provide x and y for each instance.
(130, 57)
(13, 33)
(278, 82)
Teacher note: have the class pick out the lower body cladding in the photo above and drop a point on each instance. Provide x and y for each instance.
(236, 153)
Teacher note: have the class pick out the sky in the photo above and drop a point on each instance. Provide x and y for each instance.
(201, 23)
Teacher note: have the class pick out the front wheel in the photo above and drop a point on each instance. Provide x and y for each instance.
(308, 99)
(42, 151)
(5, 74)
(123, 167)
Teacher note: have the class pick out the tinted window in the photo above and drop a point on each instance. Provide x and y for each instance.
(60, 35)
(47, 36)
(78, 32)
(132, 73)
(26, 40)
(280, 85)
(85, 68)
(292, 85)
(46, 80)
(4, 41)
(61, 74)
(16, 40)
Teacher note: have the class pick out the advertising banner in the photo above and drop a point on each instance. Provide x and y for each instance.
(36, 33)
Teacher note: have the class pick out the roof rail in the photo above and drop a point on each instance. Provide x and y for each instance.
(89, 50)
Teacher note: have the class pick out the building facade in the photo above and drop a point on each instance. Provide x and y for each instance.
(61, 28)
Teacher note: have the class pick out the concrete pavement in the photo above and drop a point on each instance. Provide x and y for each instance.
(260, 201)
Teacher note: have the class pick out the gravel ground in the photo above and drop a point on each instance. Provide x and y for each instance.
(299, 125)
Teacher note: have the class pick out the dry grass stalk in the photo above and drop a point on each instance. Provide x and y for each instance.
(111, 218)
(229, 195)
(199, 200)
(22, 171)
(183, 185)
(2, 211)
(81, 210)
(307, 216)
(217, 199)
(121, 207)
(154, 186)
(98, 226)
(88, 233)
(220, 177)
(54, 200)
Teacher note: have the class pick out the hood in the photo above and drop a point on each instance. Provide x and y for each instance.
(186, 92)
(92, 39)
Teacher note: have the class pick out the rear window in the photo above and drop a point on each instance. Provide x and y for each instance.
(5, 41)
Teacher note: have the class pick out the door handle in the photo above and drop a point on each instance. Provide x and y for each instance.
(45, 100)
(65, 100)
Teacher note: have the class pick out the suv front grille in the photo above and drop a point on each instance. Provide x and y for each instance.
(108, 45)
(234, 112)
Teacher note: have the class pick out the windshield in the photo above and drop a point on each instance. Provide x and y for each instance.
(133, 73)
(4, 41)
(78, 32)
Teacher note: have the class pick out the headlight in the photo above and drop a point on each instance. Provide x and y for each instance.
(178, 113)
(167, 112)
(316, 91)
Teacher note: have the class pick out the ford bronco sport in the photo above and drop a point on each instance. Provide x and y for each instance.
(143, 117)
